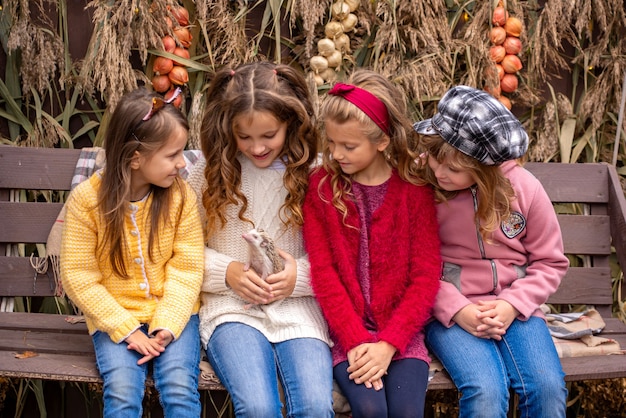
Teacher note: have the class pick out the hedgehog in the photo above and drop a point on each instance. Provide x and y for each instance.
(263, 255)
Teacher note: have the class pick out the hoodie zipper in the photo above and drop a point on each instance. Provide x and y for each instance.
(481, 245)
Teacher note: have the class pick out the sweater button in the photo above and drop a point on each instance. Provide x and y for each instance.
(134, 232)
(138, 260)
(142, 286)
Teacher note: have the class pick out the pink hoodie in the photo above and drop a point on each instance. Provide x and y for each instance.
(523, 264)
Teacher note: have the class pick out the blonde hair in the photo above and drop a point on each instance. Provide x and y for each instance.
(263, 87)
(495, 192)
(399, 154)
(126, 134)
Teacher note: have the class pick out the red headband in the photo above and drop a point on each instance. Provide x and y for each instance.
(371, 105)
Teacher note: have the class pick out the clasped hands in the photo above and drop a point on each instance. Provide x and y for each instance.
(368, 363)
(253, 289)
(487, 319)
(149, 347)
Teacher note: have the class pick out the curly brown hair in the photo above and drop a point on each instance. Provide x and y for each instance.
(262, 87)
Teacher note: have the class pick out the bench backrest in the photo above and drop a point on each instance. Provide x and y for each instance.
(21, 222)
(591, 192)
(591, 210)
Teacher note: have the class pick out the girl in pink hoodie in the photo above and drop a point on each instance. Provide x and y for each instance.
(503, 257)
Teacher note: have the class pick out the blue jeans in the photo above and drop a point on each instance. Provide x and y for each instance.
(402, 396)
(175, 374)
(249, 366)
(483, 369)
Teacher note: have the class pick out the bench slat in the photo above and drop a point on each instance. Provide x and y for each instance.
(27, 222)
(17, 278)
(45, 342)
(82, 369)
(41, 322)
(37, 168)
(615, 329)
(67, 368)
(572, 183)
(594, 367)
(30, 222)
(584, 286)
(585, 234)
(441, 380)
(65, 351)
(73, 368)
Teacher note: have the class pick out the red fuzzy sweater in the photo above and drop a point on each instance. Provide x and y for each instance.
(405, 263)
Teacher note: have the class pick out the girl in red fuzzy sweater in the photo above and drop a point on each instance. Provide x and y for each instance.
(372, 238)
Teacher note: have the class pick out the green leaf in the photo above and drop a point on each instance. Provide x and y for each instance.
(186, 62)
(90, 125)
(567, 138)
(15, 109)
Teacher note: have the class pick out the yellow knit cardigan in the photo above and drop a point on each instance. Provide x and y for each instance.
(162, 292)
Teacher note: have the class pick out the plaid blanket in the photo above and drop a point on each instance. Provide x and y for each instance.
(574, 334)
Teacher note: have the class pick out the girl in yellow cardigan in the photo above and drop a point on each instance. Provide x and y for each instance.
(132, 260)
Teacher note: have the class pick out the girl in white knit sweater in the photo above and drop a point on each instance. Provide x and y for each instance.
(259, 141)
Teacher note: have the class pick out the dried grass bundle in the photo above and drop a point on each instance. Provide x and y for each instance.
(45, 134)
(224, 33)
(604, 58)
(312, 14)
(473, 63)
(546, 144)
(120, 27)
(40, 47)
(593, 30)
(413, 43)
(600, 398)
(546, 41)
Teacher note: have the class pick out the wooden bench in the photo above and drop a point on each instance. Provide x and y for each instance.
(64, 350)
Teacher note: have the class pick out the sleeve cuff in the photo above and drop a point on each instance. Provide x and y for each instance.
(215, 266)
(303, 278)
(119, 335)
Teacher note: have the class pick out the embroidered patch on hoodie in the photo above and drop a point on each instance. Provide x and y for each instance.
(514, 226)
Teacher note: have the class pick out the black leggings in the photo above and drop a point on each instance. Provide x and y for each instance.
(402, 396)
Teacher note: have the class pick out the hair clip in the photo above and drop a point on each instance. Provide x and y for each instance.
(232, 73)
(157, 104)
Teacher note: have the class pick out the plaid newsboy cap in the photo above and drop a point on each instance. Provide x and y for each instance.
(478, 125)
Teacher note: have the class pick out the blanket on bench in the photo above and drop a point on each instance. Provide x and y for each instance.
(574, 334)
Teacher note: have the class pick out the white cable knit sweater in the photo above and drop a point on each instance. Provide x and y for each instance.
(297, 316)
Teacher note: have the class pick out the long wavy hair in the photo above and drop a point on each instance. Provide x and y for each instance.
(262, 87)
(494, 190)
(399, 154)
(126, 135)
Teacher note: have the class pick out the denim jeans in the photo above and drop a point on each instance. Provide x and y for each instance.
(249, 366)
(175, 374)
(483, 369)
